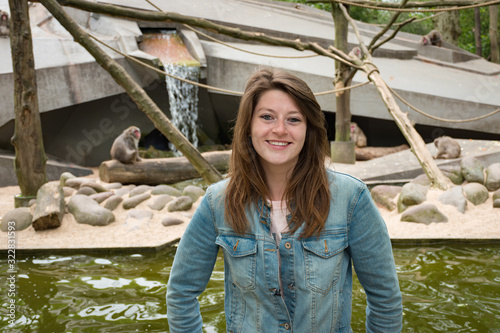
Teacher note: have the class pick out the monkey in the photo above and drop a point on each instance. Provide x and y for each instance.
(447, 148)
(125, 147)
(356, 53)
(4, 24)
(432, 38)
(357, 135)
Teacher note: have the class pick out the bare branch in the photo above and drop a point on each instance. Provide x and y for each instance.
(387, 27)
(413, 4)
(401, 25)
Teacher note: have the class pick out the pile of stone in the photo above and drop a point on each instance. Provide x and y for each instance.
(93, 202)
(473, 183)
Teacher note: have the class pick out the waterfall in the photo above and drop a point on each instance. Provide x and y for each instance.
(183, 100)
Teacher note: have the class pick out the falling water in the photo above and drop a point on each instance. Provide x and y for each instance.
(183, 99)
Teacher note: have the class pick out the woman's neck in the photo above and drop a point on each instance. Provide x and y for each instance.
(276, 184)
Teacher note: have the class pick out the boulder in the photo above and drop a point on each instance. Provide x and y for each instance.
(68, 191)
(87, 211)
(422, 179)
(113, 186)
(181, 203)
(166, 189)
(64, 177)
(476, 193)
(96, 186)
(411, 194)
(139, 190)
(383, 195)
(454, 172)
(113, 202)
(135, 200)
(423, 213)
(496, 203)
(194, 192)
(85, 190)
(49, 207)
(75, 182)
(124, 190)
(472, 169)
(158, 202)
(169, 221)
(19, 218)
(492, 181)
(100, 197)
(496, 194)
(454, 197)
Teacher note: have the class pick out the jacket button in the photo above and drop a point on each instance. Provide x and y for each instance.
(286, 326)
(288, 246)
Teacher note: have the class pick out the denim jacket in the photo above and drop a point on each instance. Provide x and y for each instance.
(316, 272)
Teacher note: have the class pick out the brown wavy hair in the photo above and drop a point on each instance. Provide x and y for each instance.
(307, 191)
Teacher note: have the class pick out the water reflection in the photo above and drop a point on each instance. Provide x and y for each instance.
(445, 289)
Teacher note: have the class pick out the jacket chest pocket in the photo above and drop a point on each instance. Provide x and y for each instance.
(240, 255)
(323, 257)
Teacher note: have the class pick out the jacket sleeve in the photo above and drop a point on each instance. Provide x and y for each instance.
(373, 261)
(193, 265)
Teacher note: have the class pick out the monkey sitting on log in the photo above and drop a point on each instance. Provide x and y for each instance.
(357, 135)
(4, 24)
(447, 148)
(432, 38)
(125, 147)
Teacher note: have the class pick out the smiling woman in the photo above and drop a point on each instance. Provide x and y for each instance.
(290, 229)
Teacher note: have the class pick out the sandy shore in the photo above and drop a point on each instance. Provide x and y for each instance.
(479, 224)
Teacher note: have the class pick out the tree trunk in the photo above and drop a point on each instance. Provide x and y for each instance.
(155, 171)
(27, 140)
(136, 93)
(494, 35)
(477, 31)
(448, 24)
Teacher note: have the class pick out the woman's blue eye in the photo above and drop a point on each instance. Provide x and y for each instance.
(266, 117)
(295, 120)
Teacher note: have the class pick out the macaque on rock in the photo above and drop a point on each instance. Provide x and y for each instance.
(447, 148)
(432, 38)
(125, 147)
(4, 24)
(357, 135)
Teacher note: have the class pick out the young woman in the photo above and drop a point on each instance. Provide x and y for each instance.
(290, 229)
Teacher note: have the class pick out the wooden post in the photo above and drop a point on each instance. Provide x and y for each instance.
(30, 158)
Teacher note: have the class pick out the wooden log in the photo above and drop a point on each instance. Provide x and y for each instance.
(156, 171)
(369, 153)
(50, 205)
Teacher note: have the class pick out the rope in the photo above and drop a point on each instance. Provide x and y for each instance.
(390, 9)
(246, 51)
(201, 85)
(442, 119)
(399, 23)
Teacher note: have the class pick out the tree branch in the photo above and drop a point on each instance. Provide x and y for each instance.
(387, 27)
(413, 4)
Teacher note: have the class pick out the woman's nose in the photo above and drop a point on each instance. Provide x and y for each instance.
(280, 127)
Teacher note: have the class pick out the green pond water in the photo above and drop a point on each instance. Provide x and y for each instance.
(448, 288)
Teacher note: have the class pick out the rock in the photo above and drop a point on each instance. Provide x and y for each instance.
(383, 195)
(135, 200)
(179, 204)
(96, 186)
(166, 189)
(472, 169)
(68, 191)
(168, 221)
(421, 180)
(454, 197)
(75, 182)
(113, 202)
(454, 172)
(492, 181)
(124, 190)
(87, 211)
(423, 213)
(411, 194)
(476, 193)
(100, 197)
(159, 202)
(140, 214)
(50, 207)
(496, 194)
(85, 190)
(139, 190)
(64, 177)
(21, 217)
(32, 202)
(496, 203)
(113, 186)
(194, 192)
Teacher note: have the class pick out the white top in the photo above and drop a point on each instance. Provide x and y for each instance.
(279, 223)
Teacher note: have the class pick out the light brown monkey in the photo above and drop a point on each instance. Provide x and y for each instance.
(447, 148)
(358, 136)
(125, 147)
(432, 38)
(4, 24)
(356, 52)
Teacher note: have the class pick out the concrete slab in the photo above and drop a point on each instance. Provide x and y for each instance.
(53, 170)
(403, 166)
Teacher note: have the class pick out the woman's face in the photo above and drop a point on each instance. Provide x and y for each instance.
(278, 131)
